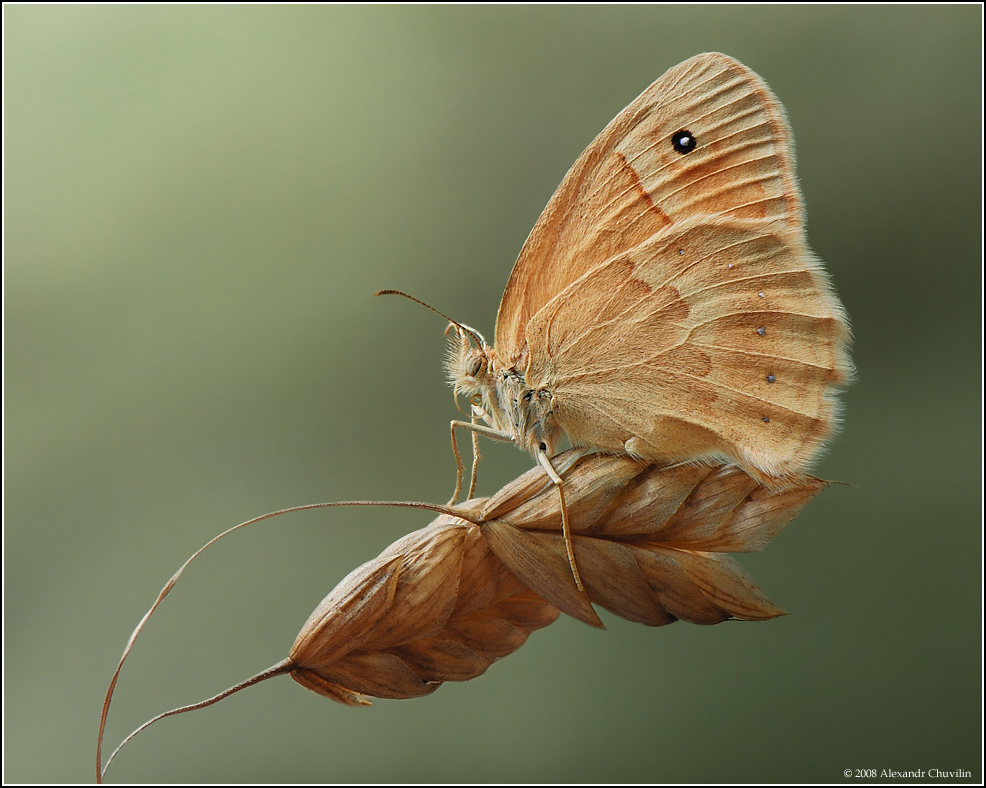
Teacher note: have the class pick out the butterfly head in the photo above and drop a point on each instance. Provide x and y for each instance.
(467, 361)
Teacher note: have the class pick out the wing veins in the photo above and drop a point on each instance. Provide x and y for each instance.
(757, 354)
(712, 383)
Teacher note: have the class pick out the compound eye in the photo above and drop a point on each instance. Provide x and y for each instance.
(475, 365)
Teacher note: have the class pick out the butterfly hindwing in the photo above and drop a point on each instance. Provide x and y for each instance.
(718, 339)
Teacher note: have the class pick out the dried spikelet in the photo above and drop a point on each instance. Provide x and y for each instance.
(440, 604)
(649, 542)
(435, 606)
(444, 602)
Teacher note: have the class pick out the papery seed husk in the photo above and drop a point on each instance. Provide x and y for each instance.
(726, 583)
(614, 580)
(654, 495)
(763, 515)
(440, 606)
(443, 603)
(345, 618)
(590, 489)
(709, 505)
(540, 560)
(427, 586)
(652, 553)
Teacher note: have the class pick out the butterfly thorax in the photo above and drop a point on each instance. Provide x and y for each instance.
(523, 410)
(502, 397)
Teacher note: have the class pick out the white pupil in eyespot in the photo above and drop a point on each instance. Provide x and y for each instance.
(683, 141)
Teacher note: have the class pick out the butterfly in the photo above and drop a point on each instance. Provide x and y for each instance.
(666, 304)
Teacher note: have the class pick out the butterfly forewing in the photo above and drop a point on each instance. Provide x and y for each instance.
(634, 181)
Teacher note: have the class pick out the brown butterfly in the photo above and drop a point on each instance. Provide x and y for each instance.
(666, 304)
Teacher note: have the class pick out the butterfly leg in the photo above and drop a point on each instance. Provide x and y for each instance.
(565, 527)
(458, 468)
(476, 430)
(475, 463)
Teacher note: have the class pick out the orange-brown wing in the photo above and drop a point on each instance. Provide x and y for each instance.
(719, 339)
(633, 181)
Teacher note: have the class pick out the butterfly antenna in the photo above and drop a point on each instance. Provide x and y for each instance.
(476, 336)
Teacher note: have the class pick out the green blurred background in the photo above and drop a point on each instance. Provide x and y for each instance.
(200, 204)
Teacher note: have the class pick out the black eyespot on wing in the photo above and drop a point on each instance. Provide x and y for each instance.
(684, 141)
